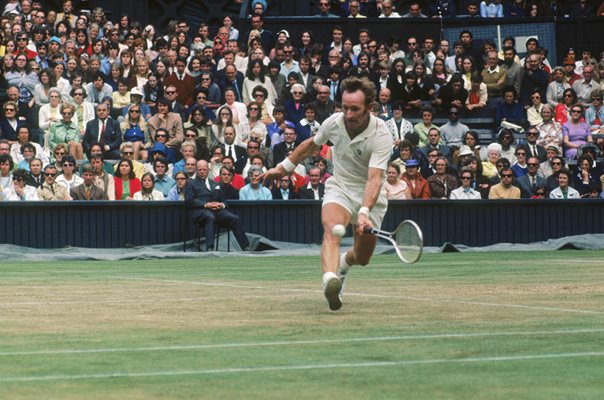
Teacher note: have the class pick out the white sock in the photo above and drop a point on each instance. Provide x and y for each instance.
(328, 276)
(343, 265)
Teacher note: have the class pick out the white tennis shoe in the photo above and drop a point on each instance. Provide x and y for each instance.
(332, 285)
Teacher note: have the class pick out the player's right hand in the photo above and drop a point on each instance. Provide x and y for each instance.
(273, 173)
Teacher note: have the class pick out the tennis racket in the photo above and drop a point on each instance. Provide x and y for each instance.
(407, 239)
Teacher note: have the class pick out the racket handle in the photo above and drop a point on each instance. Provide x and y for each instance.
(369, 229)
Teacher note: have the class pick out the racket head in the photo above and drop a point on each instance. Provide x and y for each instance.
(409, 241)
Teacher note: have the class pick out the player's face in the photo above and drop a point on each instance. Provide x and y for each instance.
(356, 112)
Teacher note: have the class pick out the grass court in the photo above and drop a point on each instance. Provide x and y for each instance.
(525, 325)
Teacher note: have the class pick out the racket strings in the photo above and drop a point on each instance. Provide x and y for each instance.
(410, 242)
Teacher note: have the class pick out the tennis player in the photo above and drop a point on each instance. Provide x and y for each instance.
(353, 195)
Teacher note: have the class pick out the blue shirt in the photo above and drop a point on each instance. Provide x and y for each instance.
(164, 184)
(262, 193)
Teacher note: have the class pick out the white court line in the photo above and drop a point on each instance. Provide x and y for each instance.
(422, 299)
(8, 304)
(283, 368)
(301, 342)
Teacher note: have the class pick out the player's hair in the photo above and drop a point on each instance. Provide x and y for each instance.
(351, 85)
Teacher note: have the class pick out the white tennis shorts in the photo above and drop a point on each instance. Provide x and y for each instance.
(351, 198)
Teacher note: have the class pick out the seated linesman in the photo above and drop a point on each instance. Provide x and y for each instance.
(204, 198)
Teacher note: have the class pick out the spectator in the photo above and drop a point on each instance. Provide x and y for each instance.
(478, 94)
(415, 181)
(398, 126)
(229, 192)
(87, 190)
(442, 182)
(395, 188)
(452, 132)
(36, 177)
(495, 78)
(126, 183)
(103, 130)
(65, 131)
(510, 110)
(594, 115)
(575, 132)
(415, 10)
(533, 113)
(555, 90)
(284, 189)
(10, 124)
(505, 189)
(465, 191)
(207, 208)
(98, 90)
(512, 68)
(584, 87)
(6, 168)
(23, 138)
(530, 181)
(253, 122)
(177, 193)
(307, 126)
(324, 10)
(162, 170)
(254, 190)
(135, 131)
(533, 79)
(422, 128)
(148, 191)
(168, 120)
(314, 189)
(18, 190)
(564, 191)
(491, 9)
(294, 107)
(102, 179)
(533, 148)
(587, 175)
(50, 189)
(434, 143)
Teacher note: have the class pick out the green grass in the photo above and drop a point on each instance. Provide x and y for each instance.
(526, 325)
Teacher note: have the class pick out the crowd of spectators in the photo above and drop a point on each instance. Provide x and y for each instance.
(94, 109)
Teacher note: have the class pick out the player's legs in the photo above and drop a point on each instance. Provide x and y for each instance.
(362, 250)
(332, 214)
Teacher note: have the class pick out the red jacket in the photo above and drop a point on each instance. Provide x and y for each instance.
(135, 186)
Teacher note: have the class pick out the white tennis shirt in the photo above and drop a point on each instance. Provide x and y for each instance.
(352, 158)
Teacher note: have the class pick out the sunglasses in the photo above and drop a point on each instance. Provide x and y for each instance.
(577, 111)
(78, 94)
(254, 109)
(49, 175)
(181, 179)
(201, 97)
(507, 176)
(298, 93)
(60, 154)
(135, 111)
(170, 92)
(533, 164)
(259, 95)
(466, 178)
(556, 163)
(158, 136)
(17, 179)
(128, 153)
(68, 164)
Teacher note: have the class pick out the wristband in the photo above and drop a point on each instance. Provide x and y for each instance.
(364, 211)
(287, 165)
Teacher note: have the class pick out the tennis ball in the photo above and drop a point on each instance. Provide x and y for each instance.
(338, 230)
